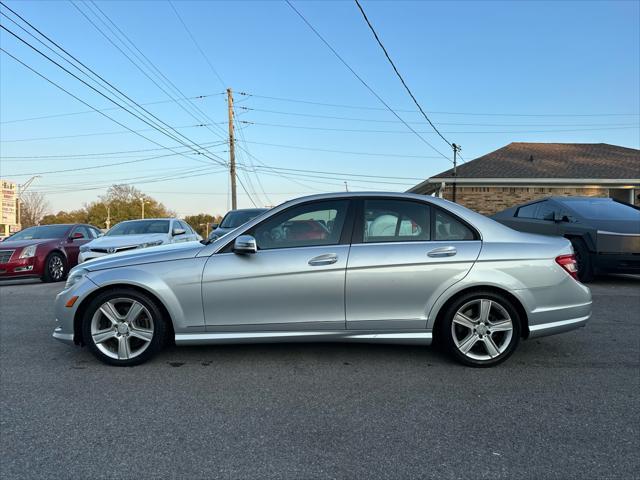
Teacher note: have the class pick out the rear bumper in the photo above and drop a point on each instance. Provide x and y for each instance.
(23, 267)
(557, 327)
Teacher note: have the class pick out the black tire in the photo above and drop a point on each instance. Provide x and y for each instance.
(120, 296)
(583, 258)
(500, 305)
(52, 265)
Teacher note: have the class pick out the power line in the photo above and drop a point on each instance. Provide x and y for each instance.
(94, 134)
(145, 120)
(395, 69)
(84, 112)
(195, 42)
(82, 101)
(330, 129)
(438, 112)
(362, 81)
(147, 117)
(142, 58)
(94, 154)
(346, 152)
(360, 119)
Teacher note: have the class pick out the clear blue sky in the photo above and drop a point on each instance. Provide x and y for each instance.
(556, 65)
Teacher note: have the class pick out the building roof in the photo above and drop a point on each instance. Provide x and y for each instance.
(553, 160)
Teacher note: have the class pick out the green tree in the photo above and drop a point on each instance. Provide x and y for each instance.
(200, 221)
(74, 216)
(121, 202)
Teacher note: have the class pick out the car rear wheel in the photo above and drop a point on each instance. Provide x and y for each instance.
(585, 267)
(55, 268)
(481, 329)
(123, 327)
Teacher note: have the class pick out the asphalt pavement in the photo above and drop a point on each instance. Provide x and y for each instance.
(565, 407)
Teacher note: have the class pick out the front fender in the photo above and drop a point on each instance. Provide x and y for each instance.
(177, 285)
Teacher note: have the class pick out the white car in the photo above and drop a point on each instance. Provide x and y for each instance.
(134, 234)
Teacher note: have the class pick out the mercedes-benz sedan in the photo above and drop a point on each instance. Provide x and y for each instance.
(388, 268)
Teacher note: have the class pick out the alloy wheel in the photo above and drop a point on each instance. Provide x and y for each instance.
(122, 328)
(482, 329)
(56, 268)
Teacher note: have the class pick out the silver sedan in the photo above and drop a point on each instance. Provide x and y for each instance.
(367, 267)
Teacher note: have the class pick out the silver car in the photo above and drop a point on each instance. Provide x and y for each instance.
(367, 267)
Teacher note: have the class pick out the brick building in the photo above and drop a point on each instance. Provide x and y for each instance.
(520, 172)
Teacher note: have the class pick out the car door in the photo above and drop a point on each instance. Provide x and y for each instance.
(404, 255)
(295, 281)
(75, 241)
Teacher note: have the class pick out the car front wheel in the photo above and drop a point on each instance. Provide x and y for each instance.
(55, 268)
(481, 329)
(123, 327)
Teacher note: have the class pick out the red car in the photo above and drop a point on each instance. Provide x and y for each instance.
(46, 251)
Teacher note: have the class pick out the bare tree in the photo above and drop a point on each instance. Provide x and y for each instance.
(33, 206)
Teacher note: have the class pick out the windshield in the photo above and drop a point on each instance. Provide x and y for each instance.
(235, 219)
(139, 227)
(37, 233)
(604, 209)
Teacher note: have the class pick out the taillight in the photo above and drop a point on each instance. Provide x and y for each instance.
(569, 263)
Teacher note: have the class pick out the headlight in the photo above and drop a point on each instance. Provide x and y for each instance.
(84, 248)
(150, 244)
(74, 277)
(28, 252)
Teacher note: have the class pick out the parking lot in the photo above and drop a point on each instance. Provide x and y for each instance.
(562, 407)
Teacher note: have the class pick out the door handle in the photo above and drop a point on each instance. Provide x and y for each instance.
(326, 259)
(443, 252)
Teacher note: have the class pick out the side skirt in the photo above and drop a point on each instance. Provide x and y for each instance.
(415, 337)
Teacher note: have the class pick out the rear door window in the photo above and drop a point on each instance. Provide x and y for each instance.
(449, 228)
(396, 221)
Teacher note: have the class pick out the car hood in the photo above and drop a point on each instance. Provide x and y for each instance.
(11, 244)
(161, 253)
(126, 240)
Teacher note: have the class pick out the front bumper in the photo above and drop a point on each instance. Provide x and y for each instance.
(618, 262)
(64, 327)
(22, 267)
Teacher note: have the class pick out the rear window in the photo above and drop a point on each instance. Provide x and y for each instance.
(604, 209)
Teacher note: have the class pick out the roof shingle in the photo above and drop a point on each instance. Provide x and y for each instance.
(553, 160)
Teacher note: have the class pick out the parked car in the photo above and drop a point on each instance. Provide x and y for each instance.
(135, 234)
(605, 233)
(454, 275)
(46, 251)
(233, 220)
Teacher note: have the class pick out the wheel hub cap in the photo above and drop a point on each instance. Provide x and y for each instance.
(123, 328)
(482, 329)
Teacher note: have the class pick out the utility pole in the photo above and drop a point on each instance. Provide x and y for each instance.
(142, 202)
(232, 152)
(456, 149)
(108, 222)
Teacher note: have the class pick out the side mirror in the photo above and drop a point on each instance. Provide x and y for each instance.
(245, 245)
(178, 231)
(214, 226)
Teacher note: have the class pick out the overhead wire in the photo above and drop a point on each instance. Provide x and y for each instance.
(344, 62)
(404, 84)
(439, 112)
